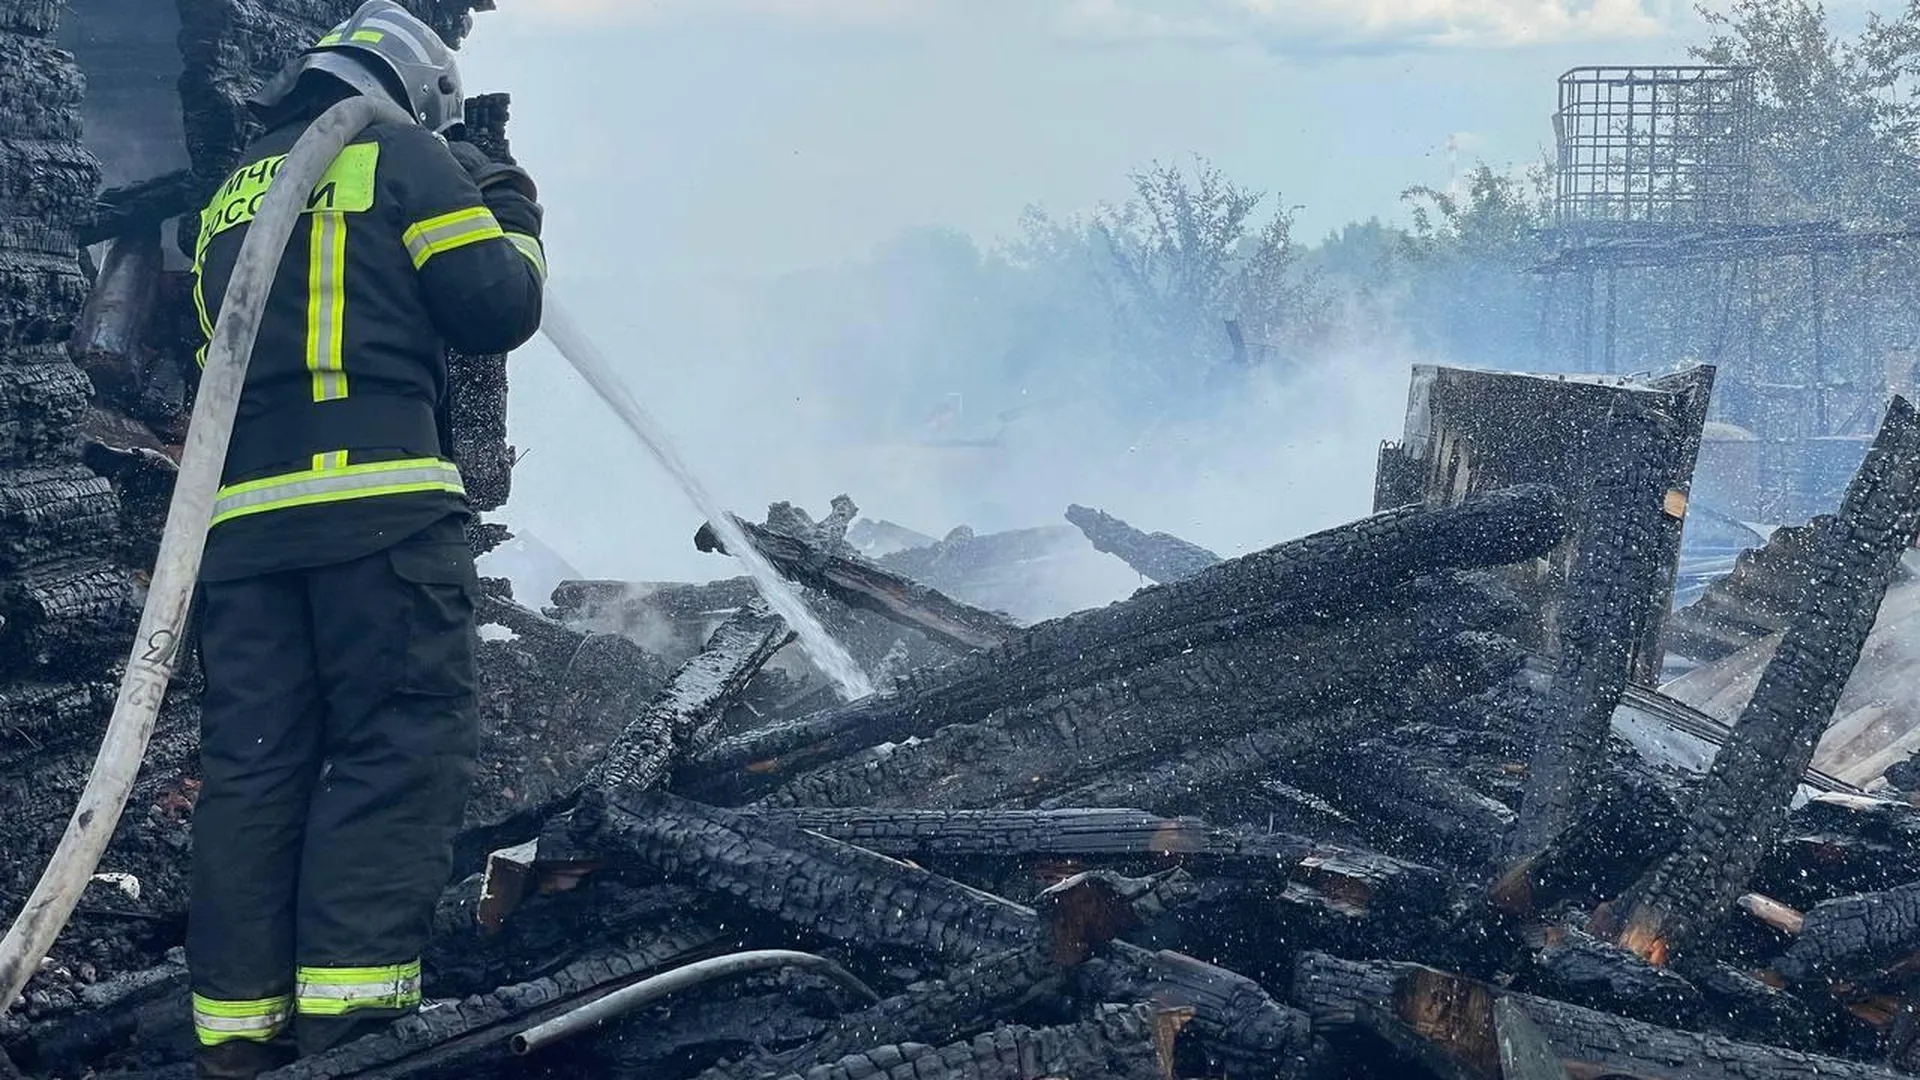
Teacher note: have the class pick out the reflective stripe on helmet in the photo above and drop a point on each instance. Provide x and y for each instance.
(312, 487)
(336, 991)
(216, 1022)
(438, 235)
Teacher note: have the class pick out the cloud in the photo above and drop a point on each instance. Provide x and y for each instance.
(852, 12)
(1365, 25)
(1281, 25)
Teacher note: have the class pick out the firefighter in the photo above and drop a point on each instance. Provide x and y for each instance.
(336, 601)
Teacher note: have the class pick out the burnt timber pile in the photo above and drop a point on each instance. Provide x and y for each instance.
(1395, 799)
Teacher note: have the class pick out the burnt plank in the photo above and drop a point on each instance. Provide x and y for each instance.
(1742, 805)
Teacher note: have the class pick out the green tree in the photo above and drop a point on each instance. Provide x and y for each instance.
(1834, 120)
(1172, 267)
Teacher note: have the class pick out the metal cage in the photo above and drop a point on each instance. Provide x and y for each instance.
(1655, 145)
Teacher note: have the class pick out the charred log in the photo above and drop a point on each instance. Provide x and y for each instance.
(803, 879)
(231, 47)
(1757, 600)
(1387, 657)
(1856, 937)
(1455, 1015)
(682, 718)
(1123, 1043)
(54, 510)
(553, 643)
(1290, 583)
(124, 210)
(66, 615)
(1617, 577)
(1355, 878)
(861, 584)
(42, 397)
(1157, 556)
(1584, 970)
(1079, 915)
(1743, 802)
(1236, 1024)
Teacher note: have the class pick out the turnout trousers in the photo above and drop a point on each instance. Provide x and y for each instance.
(338, 743)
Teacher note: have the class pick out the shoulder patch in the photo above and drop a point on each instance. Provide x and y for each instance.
(347, 187)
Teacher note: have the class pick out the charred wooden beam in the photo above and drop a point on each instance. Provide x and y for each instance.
(1195, 778)
(122, 210)
(1631, 821)
(108, 1016)
(1285, 678)
(1742, 804)
(50, 510)
(1294, 582)
(1300, 581)
(1456, 1016)
(590, 601)
(805, 879)
(866, 899)
(1354, 877)
(683, 716)
(1856, 937)
(1841, 845)
(1079, 915)
(1754, 602)
(861, 584)
(552, 642)
(1156, 556)
(1618, 575)
(1120, 1042)
(1241, 1029)
(1473, 431)
(1583, 970)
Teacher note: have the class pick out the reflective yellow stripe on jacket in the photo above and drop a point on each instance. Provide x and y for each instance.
(314, 486)
(327, 306)
(216, 1022)
(338, 991)
(449, 232)
(532, 249)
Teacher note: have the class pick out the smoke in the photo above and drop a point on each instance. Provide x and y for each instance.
(890, 380)
(786, 243)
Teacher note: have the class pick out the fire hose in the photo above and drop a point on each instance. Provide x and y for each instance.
(156, 647)
(628, 998)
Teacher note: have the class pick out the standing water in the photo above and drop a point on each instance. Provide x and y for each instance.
(827, 654)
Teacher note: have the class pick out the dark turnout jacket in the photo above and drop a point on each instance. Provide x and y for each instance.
(340, 447)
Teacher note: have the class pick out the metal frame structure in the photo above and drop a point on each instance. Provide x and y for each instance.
(1655, 172)
(1654, 146)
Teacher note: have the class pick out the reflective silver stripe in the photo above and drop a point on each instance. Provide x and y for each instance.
(326, 306)
(335, 484)
(236, 1025)
(449, 231)
(401, 31)
(531, 249)
(401, 987)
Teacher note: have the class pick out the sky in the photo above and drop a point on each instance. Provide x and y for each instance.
(686, 146)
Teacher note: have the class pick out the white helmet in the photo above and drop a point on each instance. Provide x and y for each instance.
(382, 50)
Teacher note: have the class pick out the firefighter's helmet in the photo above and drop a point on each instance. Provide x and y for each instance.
(382, 50)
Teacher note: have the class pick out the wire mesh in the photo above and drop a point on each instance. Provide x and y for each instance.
(1655, 145)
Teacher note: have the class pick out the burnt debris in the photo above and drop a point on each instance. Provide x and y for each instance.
(1399, 798)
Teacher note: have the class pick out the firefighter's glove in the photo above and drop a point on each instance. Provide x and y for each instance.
(488, 173)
